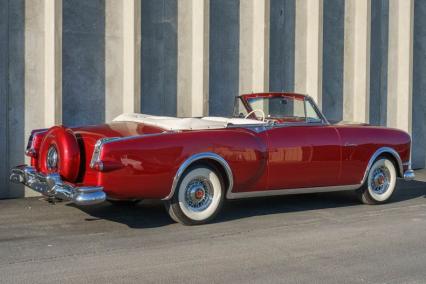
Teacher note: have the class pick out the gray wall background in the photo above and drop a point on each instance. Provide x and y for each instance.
(83, 66)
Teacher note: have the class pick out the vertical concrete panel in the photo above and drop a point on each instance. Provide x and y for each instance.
(281, 52)
(400, 64)
(193, 45)
(356, 86)
(12, 48)
(113, 59)
(4, 94)
(308, 52)
(379, 61)
(419, 86)
(131, 55)
(122, 57)
(83, 65)
(159, 57)
(254, 46)
(52, 62)
(16, 88)
(224, 54)
(333, 45)
(34, 65)
(34, 68)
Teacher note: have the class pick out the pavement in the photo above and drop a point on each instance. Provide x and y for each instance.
(313, 238)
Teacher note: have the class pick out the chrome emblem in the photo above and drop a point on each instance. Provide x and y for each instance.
(52, 158)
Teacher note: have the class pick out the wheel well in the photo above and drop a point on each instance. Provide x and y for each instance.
(393, 159)
(216, 166)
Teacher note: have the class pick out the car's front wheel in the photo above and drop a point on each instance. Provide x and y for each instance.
(198, 197)
(380, 183)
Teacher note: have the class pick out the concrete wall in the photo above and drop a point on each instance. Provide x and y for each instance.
(379, 61)
(82, 62)
(282, 45)
(333, 48)
(12, 96)
(419, 84)
(159, 57)
(224, 60)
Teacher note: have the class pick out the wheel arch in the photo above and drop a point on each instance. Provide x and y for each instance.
(209, 158)
(385, 152)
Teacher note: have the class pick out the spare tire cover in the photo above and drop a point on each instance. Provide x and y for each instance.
(68, 153)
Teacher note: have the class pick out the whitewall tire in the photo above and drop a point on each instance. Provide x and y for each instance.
(198, 196)
(380, 182)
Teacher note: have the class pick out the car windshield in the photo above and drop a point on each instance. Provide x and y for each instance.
(283, 108)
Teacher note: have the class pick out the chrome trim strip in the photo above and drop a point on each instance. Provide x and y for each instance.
(98, 148)
(196, 157)
(101, 142)
(52, 186)
(303, 190)
(378, 153)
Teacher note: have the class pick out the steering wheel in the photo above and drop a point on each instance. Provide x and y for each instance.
(256, 110)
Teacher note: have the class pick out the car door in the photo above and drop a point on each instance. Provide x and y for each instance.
(303, 155)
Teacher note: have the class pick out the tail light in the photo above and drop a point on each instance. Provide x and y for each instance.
(34, 142)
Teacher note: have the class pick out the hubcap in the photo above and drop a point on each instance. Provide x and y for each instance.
(198, 194)
(380, 180)
(52, 158)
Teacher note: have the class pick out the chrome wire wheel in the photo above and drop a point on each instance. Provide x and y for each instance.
(381, 181)
(198, 196)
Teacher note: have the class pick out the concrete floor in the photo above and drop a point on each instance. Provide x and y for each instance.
(322, 238)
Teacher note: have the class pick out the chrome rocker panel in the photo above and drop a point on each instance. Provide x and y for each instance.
(52, 186)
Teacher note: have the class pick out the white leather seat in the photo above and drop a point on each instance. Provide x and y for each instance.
(174, 123)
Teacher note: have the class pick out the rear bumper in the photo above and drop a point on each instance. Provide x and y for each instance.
(409, 174)
(52, 186)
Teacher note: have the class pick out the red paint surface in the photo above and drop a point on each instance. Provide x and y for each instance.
(64, 140)
(143, 166)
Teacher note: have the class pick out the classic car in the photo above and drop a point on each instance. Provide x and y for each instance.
(274, 144)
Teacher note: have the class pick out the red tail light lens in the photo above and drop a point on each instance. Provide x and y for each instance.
(34, 142)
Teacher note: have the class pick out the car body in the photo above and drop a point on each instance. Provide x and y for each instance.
(292, 149)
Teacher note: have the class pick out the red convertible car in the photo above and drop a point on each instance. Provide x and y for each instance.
(275, 144)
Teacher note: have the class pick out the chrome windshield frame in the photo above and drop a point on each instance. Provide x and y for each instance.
(306, 99)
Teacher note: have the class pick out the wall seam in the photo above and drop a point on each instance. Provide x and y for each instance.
(7, 127)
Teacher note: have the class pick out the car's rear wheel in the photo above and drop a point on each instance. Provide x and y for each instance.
(380, 182)
(198, 197)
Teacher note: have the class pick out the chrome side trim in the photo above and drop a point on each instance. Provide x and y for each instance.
(196, 157)
(380, 151)
(238, 195)
(98, 148)
(253, 127)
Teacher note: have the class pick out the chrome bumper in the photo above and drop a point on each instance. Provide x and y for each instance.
(409, 174)
(52, 186)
